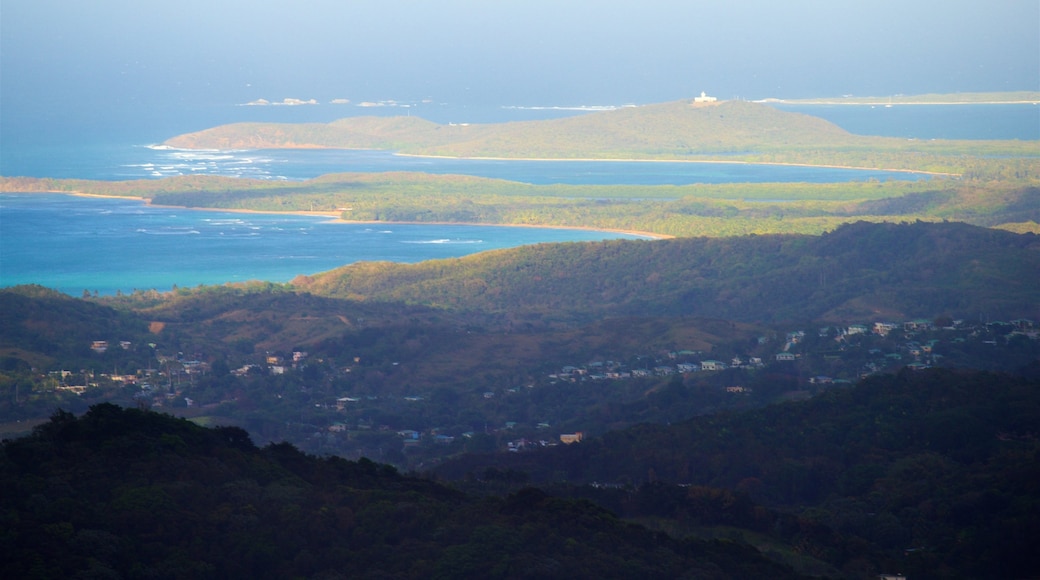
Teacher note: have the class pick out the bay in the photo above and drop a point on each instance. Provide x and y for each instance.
(109, 245)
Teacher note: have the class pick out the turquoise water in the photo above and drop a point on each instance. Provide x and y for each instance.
(122, 162)
(74, 244)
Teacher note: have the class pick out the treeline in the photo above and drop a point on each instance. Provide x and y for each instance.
(133, 494)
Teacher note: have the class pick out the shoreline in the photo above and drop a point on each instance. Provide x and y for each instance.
(338, 219)
(722, 161)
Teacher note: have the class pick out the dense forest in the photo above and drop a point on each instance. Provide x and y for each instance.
(134, 494)
(856, 271)
(938, 469)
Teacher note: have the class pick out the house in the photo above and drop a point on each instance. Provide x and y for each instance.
(785, 356)
(856, 329)
(883, 328)
(99, 346)
(918, 325)
(569, 438)
(795, 337)
(712, 365)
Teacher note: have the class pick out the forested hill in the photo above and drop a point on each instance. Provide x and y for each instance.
(124, 493)
(859, 271)
(937, 468)
(672, 129)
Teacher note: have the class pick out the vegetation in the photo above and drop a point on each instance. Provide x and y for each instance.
(693, 210)
(665, 355)
(853, 272)
(128, 493)
(442, 366)
(906, 462)
(727, 131)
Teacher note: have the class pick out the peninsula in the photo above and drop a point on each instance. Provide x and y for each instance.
(685, 130)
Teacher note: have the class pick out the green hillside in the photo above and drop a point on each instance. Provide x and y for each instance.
(859, 269)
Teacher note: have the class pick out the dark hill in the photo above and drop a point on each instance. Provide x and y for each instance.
(123, 493)
(861, 270)
(48, 324)
(938, 468)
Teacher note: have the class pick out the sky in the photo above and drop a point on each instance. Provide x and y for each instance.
(126, 55)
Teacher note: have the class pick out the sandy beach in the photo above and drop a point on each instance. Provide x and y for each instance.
(704, 161)
(334, 217)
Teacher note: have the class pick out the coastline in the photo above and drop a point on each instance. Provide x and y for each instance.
(337, 218)
(713, 161)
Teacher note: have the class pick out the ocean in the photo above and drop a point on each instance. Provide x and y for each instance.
(107, 245)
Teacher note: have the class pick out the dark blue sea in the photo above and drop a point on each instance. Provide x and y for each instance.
(105, 245)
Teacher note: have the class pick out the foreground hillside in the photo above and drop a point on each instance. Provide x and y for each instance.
(132, 494)
(938, 469)
(859, 270)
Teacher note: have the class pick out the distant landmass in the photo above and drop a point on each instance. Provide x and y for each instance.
(668, 130)
(687, 130)
(1018, 97)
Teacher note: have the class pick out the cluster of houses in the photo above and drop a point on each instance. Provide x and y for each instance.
(276, 364)
(921, 353)
(611, 370)
(882, 345)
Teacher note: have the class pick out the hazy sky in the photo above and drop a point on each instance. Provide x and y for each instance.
(505, 52)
